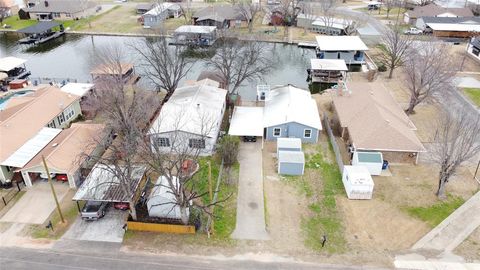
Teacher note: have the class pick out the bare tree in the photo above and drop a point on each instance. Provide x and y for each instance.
(388, 5)
(350, 26)
(395, 48)
(169, 152)
(290, 10)
(327, 10)
(429, 70)
(164, 65)
(126, 112)
(239, 61)
(309, 12)
(456, 140)
(249, 11)
(85, 5)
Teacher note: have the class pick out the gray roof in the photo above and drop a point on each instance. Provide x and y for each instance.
(64, 6)
(38, 28)
(451, 20)
(145, 6)
(291, 156)
(434, 10)
(219, 12)
(476, 42)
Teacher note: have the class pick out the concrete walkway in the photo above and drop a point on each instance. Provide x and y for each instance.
(454, 229)
(250, 204)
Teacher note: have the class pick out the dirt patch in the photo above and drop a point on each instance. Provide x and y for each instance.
(470, 248)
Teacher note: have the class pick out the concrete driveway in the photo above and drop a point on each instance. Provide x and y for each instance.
(107, 229)
(250, 204)
(37, 204)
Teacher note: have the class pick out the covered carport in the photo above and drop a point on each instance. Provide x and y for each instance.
(247, 121)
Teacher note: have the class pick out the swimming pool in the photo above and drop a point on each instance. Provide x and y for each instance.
(4, 99)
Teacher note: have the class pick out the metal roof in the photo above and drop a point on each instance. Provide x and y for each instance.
(292, 143)
(246, 121)
(78, 89)
(31, 148)
(197, 29)
(328, 64)
(341, 43)
(10, 62)
(38, 28)
(102, 185)
(370, 157)
(291, 157)
(358, 175)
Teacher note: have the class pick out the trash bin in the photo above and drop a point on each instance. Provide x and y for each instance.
(385, 165)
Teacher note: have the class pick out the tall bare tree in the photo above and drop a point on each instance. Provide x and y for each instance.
(456, 140)
(327, 10)
(395, 48)
(309, 12)
(388, 5)
(249, 11)
(290, 10)
(239, 61)
(429, 71)
(126, 112)
(164, 65)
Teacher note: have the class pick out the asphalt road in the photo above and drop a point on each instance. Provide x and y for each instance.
(20, 258)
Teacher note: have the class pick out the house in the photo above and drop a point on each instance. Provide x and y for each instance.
(221, 16)
(142, 8)
(123, 71)
(368, 118)
(473, 48)
(288, 112)
(433, 10)
(459, 27)
(214, 76)
(323, 25)
(7, 8)
(190, 120)
(66, 154)
(195, 35)
(349, 48)
(159, 13)
(59, 9)
(30, 122)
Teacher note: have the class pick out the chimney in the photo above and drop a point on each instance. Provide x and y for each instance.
(46, 3)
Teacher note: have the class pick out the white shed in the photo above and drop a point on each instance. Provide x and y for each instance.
(161, 202)
(373, 161)
(291, 162)
(357, 182)
(289, 144)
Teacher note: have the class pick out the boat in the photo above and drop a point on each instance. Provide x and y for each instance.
(41, 32)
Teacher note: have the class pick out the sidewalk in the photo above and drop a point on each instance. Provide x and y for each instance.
(250, 204)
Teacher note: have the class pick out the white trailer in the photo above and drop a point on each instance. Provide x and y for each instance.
(161, 202)
(357, 182)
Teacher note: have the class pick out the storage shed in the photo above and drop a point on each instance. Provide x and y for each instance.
(289, 144)
(357, 182)
(161, 202)
(373, 161)
(291, 162)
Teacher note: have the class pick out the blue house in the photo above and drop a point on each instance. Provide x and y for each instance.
(291, 112)
(349, 48)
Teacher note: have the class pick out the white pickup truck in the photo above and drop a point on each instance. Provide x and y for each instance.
(413, 31)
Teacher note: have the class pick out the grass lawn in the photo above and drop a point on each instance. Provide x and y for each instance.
(473, 94)
(324, 217)
(383, 12)
(16, 23)
(435, 214)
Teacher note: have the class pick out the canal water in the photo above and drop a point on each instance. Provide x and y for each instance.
(70, 57)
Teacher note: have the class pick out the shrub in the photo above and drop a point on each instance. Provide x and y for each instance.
(229, 149)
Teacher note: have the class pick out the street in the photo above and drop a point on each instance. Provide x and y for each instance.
(19, 258)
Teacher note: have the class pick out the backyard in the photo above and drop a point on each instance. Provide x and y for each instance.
(473, 94)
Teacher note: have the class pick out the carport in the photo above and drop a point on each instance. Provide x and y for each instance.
(102, 185)
(247, 121)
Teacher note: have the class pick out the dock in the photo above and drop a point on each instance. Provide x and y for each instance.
(308, 45)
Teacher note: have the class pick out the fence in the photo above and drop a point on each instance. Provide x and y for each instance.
(9, 196)
(335, 147)
(57, 81)
(164, 228)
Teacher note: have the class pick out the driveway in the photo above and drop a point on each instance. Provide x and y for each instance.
(250, 204)
(107, 229)
(37, 204)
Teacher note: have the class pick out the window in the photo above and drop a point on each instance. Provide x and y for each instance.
(277, 132)
(163, 142)
(56, 14)
(196, 143)
(68, 15)
(61, 119)
(69, 113)
(307, 133)
(51, 124)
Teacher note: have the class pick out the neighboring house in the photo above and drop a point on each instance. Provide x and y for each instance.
(160, 13)
(190, 120)
(349, 48)
(214, 76)
(123, 71)
(433, 10)
(195, 35)
(142, 8)
(28, 123)
(7, 8)
(59, 9)
(473, 48)
(289, 112)
(323, 25)
(369, 120)
(450, 26)
(221, 16)
(67, 153)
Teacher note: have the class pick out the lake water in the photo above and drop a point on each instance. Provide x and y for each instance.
(69, 57)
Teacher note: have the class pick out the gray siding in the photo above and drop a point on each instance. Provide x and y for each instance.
(152, 21)
(290, 168)
(292, 130)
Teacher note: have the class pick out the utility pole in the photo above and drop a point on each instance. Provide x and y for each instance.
(210, 191)
(53, 190)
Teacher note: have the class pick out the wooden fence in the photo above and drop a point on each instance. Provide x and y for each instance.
(164, 228)
(335, 147)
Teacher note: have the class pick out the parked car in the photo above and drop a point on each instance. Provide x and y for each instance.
(93, 210)
(413, 31)
(61, 177)
(249, 138)
(121, 206)
(45, 176)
